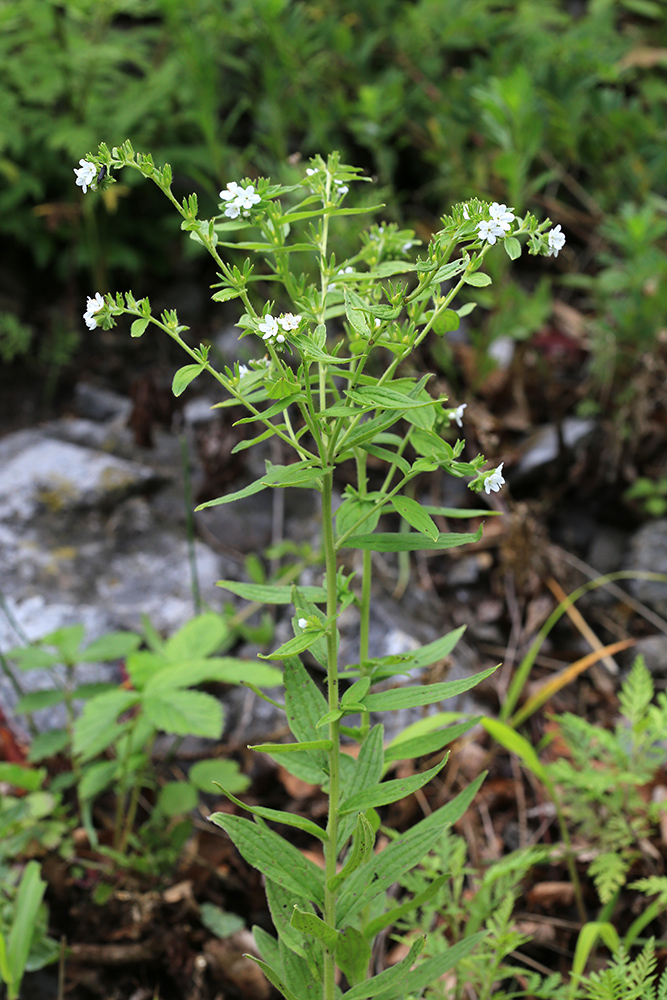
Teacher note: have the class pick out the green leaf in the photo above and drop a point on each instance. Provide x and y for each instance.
(304, 702)
(517, 744)
(205, 773)
(199, 637)
(93, 729)
(139, 326)
(365, 773)
(97, 777)
(26, 908)
(390, 917)
(113, 646)
(387, 455)
(281, 902)
(266, 593)
(512, 247)
(390, 978)
(401, 855)
(587, 939)
(274, 857)
(389, 791)
(478, 279)
(432, 969)
(27, 778)
(402, 542)
(428, 743)
(423, 694)
(39, 699)
(221, 669)
(278, 748)
(309, 924)
(363, 842)
(356, 315)
(275, 979)
(279, 816)
(356, 691)
(415, 515)
(225, 294)
(218, 922)
(184, 376)
(176, 798)
(299, 644)
(184, 713)
(381, 397)
(301, 973)
(460, 512)
(353, 955)
(333, 716)
(48, 744)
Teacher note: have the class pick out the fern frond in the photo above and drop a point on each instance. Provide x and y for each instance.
(608, 871)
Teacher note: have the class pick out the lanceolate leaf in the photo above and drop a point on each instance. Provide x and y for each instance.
(280, 816)
(308, 923)
(266, 593)
(390, 917)
(389, 791)
(424, 694)
(278, 748)
(304, 702)
(274, 857)
(363, 842)
(275, 979)
(390, 978)
(299, 474)
(380, 397)
(433, 968)
(415, 515)
(427, 743)
(353, 954)
(390, 541)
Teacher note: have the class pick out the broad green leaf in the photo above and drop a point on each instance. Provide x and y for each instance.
(309, 924)
(48, 744)
(220, 669)
(266, 593)
(304, 702)
(94, 724)
(33, 658)
(281, 902)
(300, 976)
(27, 778)
(39, 699)
(402, 542)
(390, 978)
(356, 315)
(401, 855)
(274, 857)
(113, 646)
(266, 945)
(176, 798)
(279, 816)
(206, 773)
(353, 955)
(415, 515)
(427, 743)
(352, 510)
(199, 637)
(423, 694)
(304, 746)
(139, 327)
(333, 716)
(218, 922)
(67, 640)
(363, 842)
(97, 777)
(478, 279)
(184, 713)
(389, 791)
(184, 376)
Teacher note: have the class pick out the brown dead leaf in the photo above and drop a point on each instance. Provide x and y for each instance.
(643, 57)
(295, 787)
(227, 962)
(177, 893)
(550, 894)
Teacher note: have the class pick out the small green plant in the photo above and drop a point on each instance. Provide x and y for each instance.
(24, 944)
(651, 494)
(336, 384)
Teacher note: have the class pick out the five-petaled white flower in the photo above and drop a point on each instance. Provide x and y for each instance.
(239, 199)
(457, 414)
(501, 216)
(269, 328)
(85, 175)
(556, 240)
(289, 321)
(494, 481)
(93, 307)
(489, 231)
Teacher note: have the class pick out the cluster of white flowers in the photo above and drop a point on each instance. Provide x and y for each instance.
(498, 225)
(495, 480)
(85, 175)
(93, 307)
(240, 200)
(342, 188)
(556, 240)
(269, 327)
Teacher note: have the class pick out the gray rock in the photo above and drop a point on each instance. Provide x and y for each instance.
(95, 403)
(654, 650)
(543, 446)
(648, 553)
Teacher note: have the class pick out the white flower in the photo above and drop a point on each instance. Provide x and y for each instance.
(494, 481)
(233, 191)
(85, 175)
(378, 322)
(247, 198)
(342, 188)
(407, 246)
(289, 321)
(489, 230)
(239, 199)
(243, 370)
(556, 241)
(501, 216)
(302, 622)
(269, 329)
(457, 414)
(310, 171)
(465, 213)
(93, 307)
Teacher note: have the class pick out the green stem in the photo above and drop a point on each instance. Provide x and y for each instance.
(330, 848)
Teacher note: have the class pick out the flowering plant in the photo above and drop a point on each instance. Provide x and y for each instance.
(333, 384)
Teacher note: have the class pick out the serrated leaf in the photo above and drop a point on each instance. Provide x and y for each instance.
(409, 542)
(29, 779)
(478, 278)
(184, 376)
(97, 777)
(415, 515)
(204, 774)
(48, 744)
(184, 713)
(219, 669)
(389, 791)
(423, 694)
(113, 646)
(274, 857)
(199, 637)
(95, 723)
